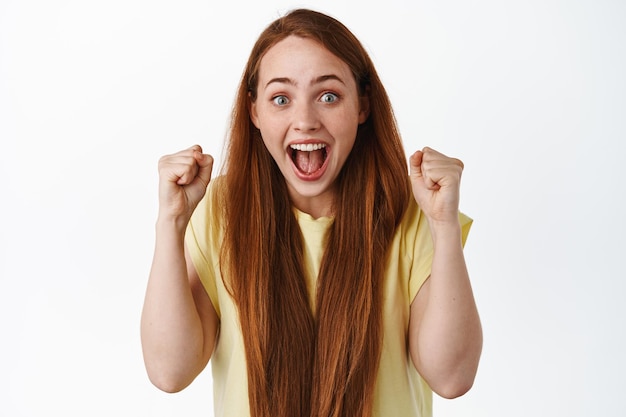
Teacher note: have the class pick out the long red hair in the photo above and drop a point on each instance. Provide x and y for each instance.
(299, 364)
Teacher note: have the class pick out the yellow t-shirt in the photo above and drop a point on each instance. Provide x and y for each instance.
(400, 391)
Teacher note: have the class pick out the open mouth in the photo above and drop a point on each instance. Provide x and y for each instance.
(308, 158)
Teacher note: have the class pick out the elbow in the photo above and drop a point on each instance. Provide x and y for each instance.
(172, 375)
(450, 381)
(455, 387)
(172, 371)
(459, 376)
(167, 377)
(455, 381)
(168, 383)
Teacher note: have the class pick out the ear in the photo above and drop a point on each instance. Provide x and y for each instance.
(364, 106)
(254, 116)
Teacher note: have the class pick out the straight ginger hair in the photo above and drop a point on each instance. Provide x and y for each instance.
(301, 363)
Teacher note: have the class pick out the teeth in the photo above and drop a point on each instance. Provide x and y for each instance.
(309, 147)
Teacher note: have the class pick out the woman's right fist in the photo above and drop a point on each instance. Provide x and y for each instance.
(183, 179)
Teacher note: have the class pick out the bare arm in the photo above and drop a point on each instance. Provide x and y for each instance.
(178, 323)
(445, 336)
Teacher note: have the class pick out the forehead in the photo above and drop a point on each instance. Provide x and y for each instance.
(301, 60)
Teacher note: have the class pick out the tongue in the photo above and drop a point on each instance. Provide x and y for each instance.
(309, 162)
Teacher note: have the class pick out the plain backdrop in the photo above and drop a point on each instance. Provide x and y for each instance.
(531, 95)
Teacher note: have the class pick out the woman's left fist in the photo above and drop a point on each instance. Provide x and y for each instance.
(436, 183)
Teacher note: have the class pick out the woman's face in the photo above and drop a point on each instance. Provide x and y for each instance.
(308, 110)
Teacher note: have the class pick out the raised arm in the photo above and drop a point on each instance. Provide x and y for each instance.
(178, 322)
(445, 336)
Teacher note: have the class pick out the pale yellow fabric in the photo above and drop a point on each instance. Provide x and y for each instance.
(400, 391)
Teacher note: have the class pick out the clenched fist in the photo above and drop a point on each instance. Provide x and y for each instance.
(183, 179)
(436, 182)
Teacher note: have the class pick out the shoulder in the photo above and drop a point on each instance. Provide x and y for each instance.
(211, 202)
(206, 222)
(413, 225)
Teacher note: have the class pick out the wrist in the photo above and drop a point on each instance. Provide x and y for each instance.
(169, 224)
(445, 231)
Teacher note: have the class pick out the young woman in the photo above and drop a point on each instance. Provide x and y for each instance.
(318, 277)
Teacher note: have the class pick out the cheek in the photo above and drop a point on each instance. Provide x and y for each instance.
(347, 127)
(272, 138)
(269, 132)
(266, 121)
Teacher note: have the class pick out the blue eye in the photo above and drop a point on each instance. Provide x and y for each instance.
(280, 100)
(329, 97)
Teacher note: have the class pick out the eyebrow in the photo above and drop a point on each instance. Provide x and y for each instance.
(320, 79)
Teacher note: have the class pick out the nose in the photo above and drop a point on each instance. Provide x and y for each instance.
(306, 117)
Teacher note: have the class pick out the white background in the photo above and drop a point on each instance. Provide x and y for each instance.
(531, 95)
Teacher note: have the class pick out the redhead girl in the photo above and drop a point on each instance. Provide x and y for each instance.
(317, 276)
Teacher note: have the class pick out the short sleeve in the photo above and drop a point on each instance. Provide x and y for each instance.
(417, 226)
(203, 240)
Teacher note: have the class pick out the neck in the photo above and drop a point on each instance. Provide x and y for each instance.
(316, 206)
